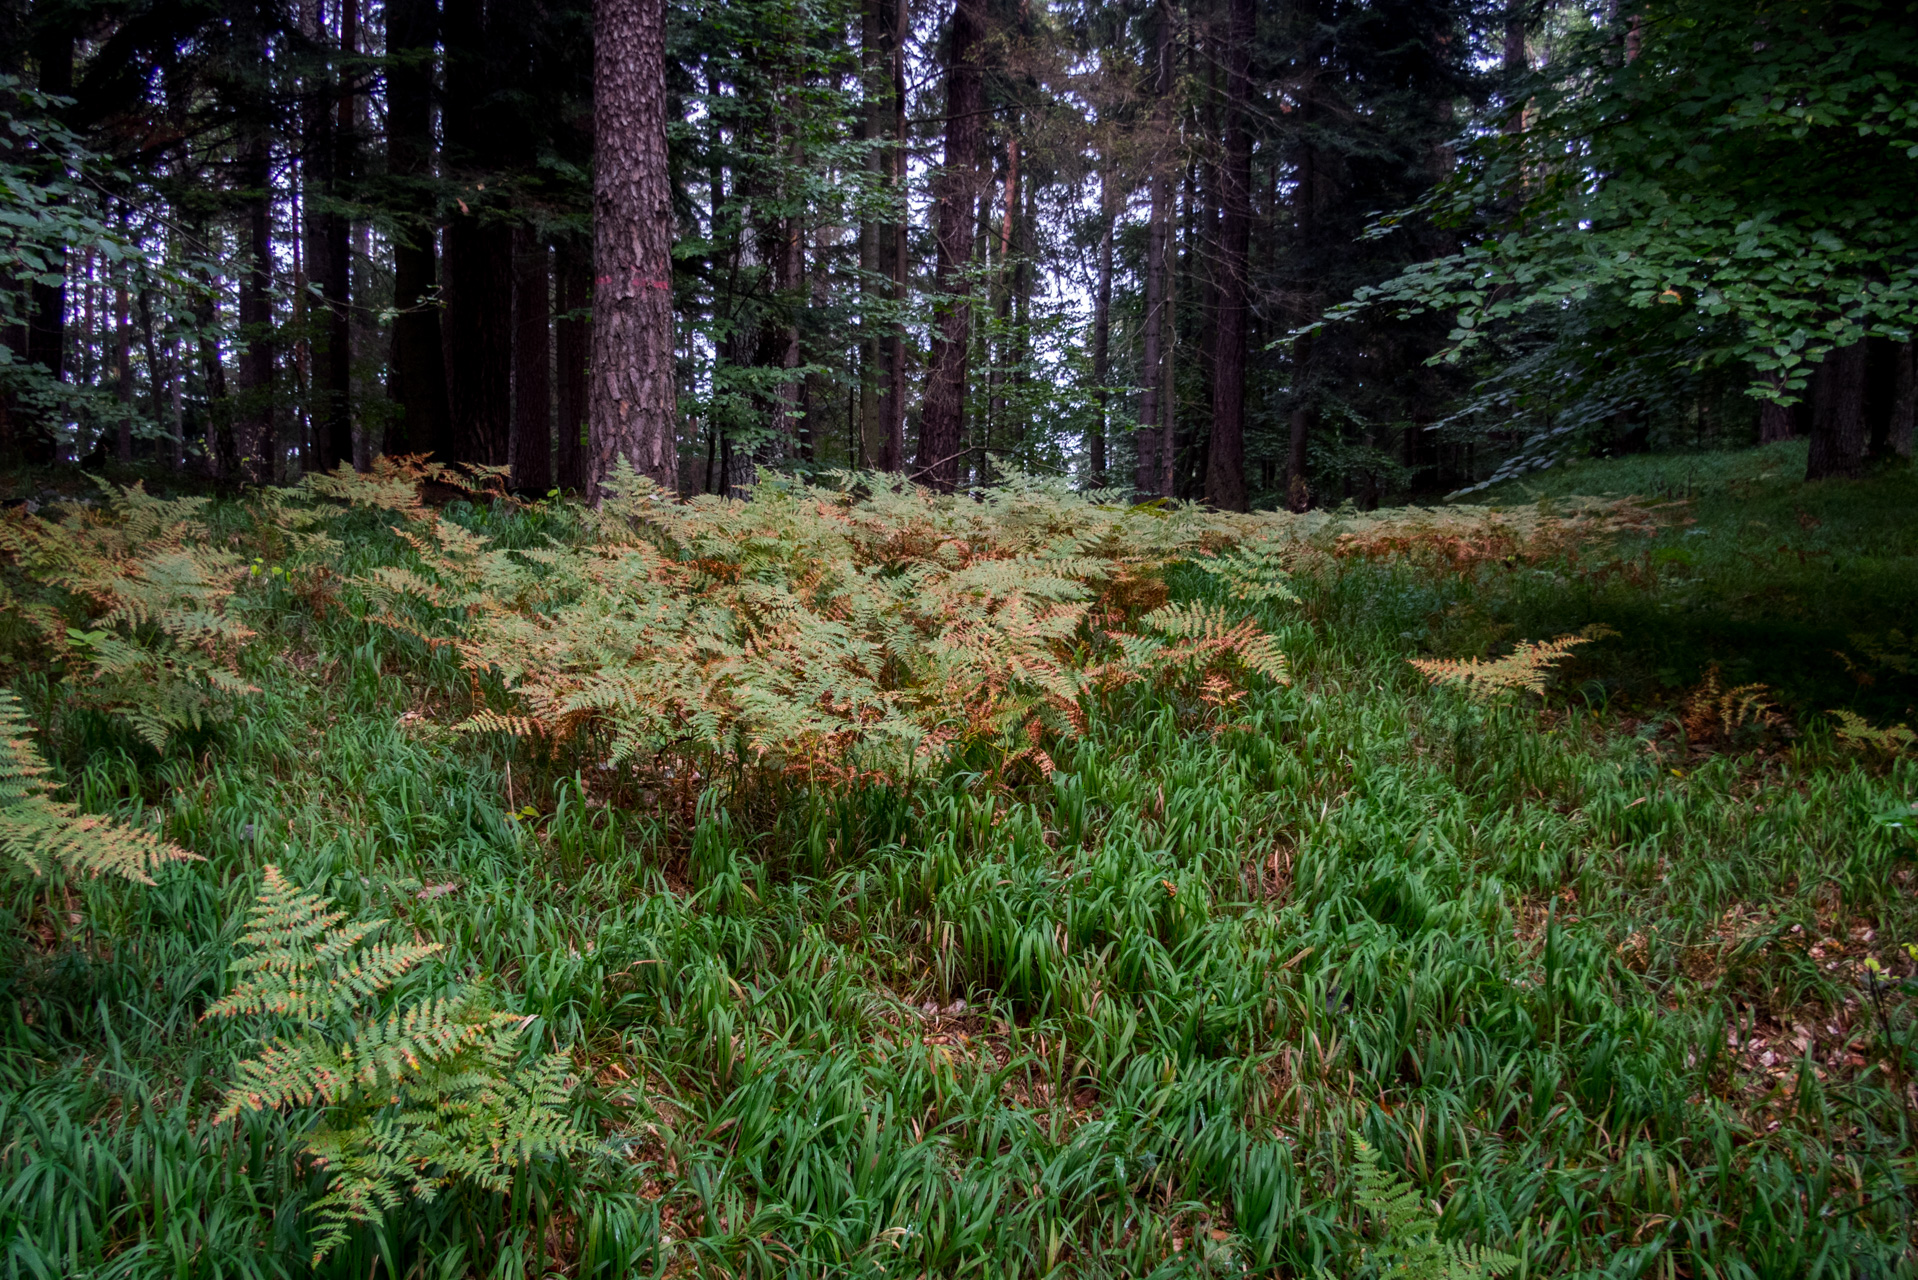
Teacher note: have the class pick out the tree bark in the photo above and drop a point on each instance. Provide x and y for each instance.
(532, 447)
(1904, 404)
(572, 337)
(123, 365)
(955, 192)
(253, 427)
(1776, 421)
(1102, 330)
(1225, 459)
(1154, 444)
(895, 248)
(1885, 364)
(632, 396)
(417, 374)
(1838, 416)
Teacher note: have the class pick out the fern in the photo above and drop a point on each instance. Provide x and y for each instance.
(1713, 712)
(132, 597)
(433, 1093)
(1527, 667)
(1409, 1244)
(1860, 734)
(37, 831)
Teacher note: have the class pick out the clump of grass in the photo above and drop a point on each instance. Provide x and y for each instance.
(1605, 1003)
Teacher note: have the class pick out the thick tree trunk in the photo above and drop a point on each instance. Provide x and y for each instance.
(632, 397)
(532, 449)
(334, 436)
(477, 334)
(1102, 330)
(955, 193)
(253, 426)
(1838, 416)
(572, 337)
(1225, 459)
(1886, 363)
(417, 377)
(1776, 421)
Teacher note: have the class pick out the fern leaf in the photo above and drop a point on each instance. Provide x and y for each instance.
(37, 831)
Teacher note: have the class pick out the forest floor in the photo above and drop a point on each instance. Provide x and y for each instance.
(1590, 970)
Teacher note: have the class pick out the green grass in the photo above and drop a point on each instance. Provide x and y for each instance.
(1549, 959)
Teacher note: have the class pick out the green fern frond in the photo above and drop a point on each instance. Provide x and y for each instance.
(430, 1093)
(37, 831)
(1408, 1229)
(1860, 734)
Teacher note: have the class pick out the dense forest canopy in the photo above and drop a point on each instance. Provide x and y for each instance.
(1290, 253)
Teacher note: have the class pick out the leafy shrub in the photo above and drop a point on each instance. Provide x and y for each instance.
(431, 1093)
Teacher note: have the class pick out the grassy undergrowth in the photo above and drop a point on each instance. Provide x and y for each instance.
(1591, 983)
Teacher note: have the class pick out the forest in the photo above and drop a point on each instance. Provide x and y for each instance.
(1099, 638)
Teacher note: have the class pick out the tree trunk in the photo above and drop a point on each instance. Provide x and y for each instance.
(895, 248)
(47, 321)
(1776, 421)
(532, 446)
(1154, 444)
(632, 397)
(123, 365)
(954, 193)
(1102, 330)
(1904, 403)
(572, 336)
(1838, 416)
(253, 427)
(334, 273)
(417, 375)
(1225, 459)
(1885, 365)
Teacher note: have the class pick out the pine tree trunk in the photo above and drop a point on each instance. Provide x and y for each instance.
(1225, 459)
(1838, 416)
(253, 428)
(632, 397)
(572, 336)
(955, 192)
(417, 376)
(1154, 445)
(1102, 330)
(335, 435)
(532, 447)
(123, 366)
(895, 249)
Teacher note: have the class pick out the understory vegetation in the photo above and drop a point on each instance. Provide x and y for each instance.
(859, 881)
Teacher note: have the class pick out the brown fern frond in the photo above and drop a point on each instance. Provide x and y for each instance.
(1526, 668)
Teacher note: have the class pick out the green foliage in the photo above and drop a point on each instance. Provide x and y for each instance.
(37, 831)
(1410, 1246)
(823, 630)
(1119, 1021)
(1728, 201)
(431, 1094)
(1856, 731)
(129, 599)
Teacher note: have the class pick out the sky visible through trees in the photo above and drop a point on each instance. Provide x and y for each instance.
(256, 240)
